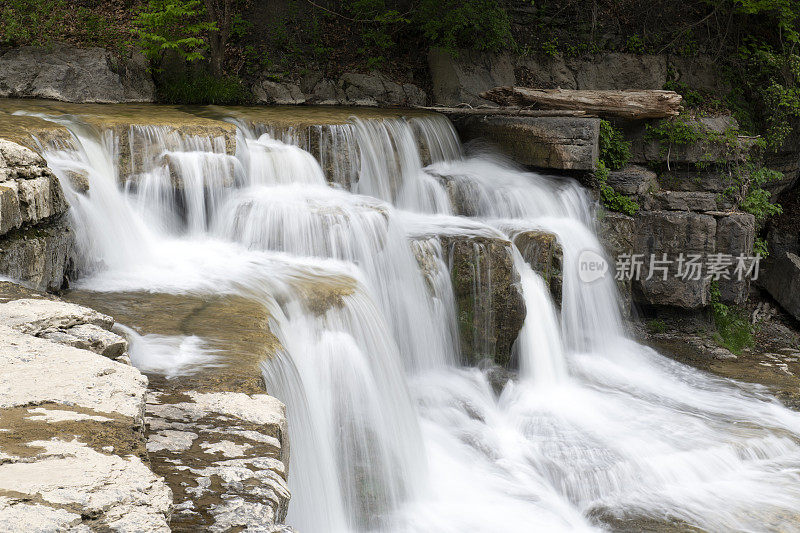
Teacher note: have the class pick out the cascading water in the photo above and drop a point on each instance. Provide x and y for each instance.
(388, 432)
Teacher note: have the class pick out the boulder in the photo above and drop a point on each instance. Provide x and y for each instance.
(544, 73)
(561, 143)
(617, 234)
(672, 233)
(698, 72)
(684, 201)
(74, 74)
(781, 278)
(705, 153)
(40, 255)
(278, 93)
(459, 79)
(489, 302)
(376, 89)
(688, 179)
(35, 239)
(633, 180)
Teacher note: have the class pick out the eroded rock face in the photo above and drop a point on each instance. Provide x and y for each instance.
(74, 74)
(218, 439)
(735, 235)
(71, 430)
(617, 234)
(489, 302)
(35, 240)
(460, 80)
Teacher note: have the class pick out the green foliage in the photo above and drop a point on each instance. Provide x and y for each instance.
(770, 89)
(761, 247)
(721, 148)
(676, 131)
(204, 89)
(749, 194)
(550, 47)
(656, 326)
(473, 24)
(614, 149)
(697, 99)
(178, 25)
(36, 22)
(635, 44)
(611, 199)
(734, 330)
(379, 25)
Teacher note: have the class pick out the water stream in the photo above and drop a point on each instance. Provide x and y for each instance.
(388, 431)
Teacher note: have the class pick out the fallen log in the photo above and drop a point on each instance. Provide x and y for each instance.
(633, 104)
(506, 111)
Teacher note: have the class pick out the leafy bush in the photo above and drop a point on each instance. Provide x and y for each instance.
(178, 25)
(656, 326)
(379, 24)
(614, 149)
(204, 89)
(476, 24)
(749, 194)
(761, 247)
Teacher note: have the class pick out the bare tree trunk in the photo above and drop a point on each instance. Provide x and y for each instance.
(221, 12)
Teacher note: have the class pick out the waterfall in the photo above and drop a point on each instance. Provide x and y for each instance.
(336, 230)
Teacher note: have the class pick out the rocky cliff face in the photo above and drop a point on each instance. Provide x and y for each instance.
(351, 88)
(460, 79)
(35, 238)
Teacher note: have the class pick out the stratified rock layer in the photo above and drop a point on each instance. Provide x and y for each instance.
(35, 239)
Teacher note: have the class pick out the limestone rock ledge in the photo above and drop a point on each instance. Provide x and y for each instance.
(72, 443)
(225, 456)
(35, 239)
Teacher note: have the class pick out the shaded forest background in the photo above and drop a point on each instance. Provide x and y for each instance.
(211, 50)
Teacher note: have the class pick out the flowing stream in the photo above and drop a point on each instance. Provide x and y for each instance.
(389, 432)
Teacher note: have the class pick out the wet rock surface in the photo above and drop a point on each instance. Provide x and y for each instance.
(488, 296)
(543, 253)
(773, 360)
